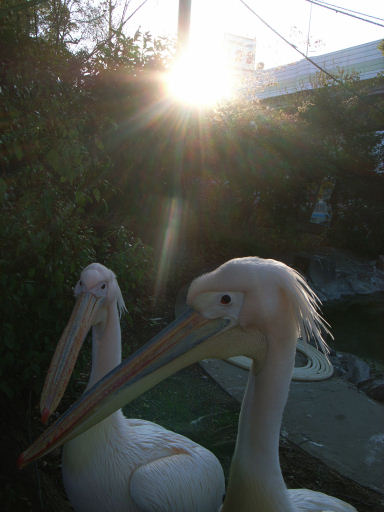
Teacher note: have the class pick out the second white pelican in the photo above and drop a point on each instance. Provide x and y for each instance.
(121, 464)
(247, 306)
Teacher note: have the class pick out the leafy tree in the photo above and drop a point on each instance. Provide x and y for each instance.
(93, 154)
(57, 204)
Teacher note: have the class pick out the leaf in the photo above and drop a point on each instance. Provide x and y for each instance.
(81, 198)
(99, 144)
(96, 194)
(6, 389)
(18, 151)
(53, 159)
(3, 190)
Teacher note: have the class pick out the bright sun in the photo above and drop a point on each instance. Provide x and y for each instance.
(198, 80)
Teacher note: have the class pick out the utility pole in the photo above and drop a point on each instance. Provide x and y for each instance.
(183, 25)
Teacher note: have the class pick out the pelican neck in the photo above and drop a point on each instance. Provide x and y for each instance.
(106, 345)
(256, 481)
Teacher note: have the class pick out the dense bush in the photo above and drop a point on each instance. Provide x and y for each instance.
(94, 158)
(347, 120)
(57, 208)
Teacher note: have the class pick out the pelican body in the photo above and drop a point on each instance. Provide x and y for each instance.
(246, 307)
(121, 464)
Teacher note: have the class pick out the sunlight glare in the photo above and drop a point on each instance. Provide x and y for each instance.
(170, 241)
(199, 79)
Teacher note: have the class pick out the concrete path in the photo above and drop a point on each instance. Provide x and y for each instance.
(331, 420)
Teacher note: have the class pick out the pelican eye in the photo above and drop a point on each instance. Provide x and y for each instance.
(225, 299)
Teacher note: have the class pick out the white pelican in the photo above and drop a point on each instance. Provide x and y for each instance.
(121, 464)
(247, 306)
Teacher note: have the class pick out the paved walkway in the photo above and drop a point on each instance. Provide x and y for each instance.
(331, 420)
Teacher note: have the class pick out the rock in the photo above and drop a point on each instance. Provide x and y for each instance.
(359, 370)
(336, 274)
(340, 364)
(301, 262)
(350, 367)
(380, 262)
(374, 388)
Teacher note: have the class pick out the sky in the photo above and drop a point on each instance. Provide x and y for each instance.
(211, 19)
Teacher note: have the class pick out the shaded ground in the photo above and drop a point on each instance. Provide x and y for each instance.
(190, 403)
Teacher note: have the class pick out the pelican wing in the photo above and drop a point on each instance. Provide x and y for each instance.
(306, 500)
(165, 484)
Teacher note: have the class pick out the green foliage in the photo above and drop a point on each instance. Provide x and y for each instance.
(360, 203)
(57, 208)
(95, 159)
(247, 176)
(345, 120)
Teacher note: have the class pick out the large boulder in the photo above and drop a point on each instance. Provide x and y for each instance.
(336, 275)
(374, 388)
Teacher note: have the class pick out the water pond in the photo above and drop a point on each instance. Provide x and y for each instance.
(358, 326)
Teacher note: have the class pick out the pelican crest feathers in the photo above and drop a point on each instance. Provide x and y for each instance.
(254, 273)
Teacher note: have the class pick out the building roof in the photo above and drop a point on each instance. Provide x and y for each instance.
(365, 59)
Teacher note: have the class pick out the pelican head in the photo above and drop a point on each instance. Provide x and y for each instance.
(95, 292)
(241, 308)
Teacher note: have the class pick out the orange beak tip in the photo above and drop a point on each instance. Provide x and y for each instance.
(45, 415)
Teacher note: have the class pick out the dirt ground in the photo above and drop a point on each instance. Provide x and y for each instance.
(190, 403)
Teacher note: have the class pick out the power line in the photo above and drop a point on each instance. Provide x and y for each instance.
(327, 73)
(111, 36)
(337, 80)
(350, 10)
(341, 11)
(135, 11)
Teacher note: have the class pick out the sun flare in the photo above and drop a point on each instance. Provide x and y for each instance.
(199, 80)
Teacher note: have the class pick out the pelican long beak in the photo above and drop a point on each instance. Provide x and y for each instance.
(183, 342)
(67, 351)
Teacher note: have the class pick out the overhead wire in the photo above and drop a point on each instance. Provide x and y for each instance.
(341, 10)
(320, 68)
(110, 37)
(350, 10)
(337, 80)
